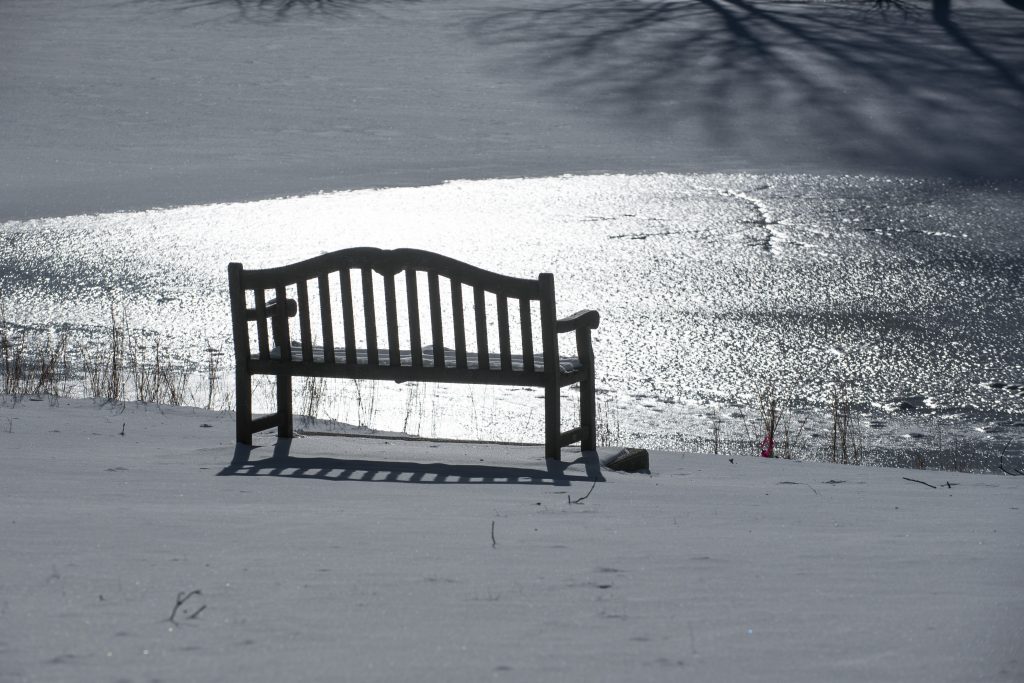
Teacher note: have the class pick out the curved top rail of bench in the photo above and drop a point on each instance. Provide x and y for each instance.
(388, 262)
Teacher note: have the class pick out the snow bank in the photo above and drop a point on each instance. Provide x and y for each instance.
(375, 559)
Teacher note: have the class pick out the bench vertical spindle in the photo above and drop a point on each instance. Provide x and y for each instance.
(459, 319)
(370, 318)
(326, 323)
(526, 326)
(391, 313)
(412, 298)
(436, 328)
(504, 344)
(262, 336)
(481, 328)
(305, 330)
(347, 315)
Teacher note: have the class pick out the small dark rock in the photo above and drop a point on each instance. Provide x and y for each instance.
(629, 460)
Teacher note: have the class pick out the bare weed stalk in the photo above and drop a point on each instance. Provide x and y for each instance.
(121, 364)
(413, 403)
(312, 394)
(847, 444)
(716, 433)
(473, 411)
(32, 364)
(103, 367)
(366, 396)
(609, 425)
(214, 358)
(918, 462)
(182, 598)
(53, 366)
(776, 415)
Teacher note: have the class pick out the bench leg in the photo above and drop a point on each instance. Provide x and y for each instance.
(552, 423)
(284, 406)
(243, 407)
(588, 413)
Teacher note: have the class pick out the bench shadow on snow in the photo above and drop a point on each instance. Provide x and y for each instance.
(282, 464)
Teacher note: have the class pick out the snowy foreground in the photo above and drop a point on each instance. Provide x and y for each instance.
(344, 562)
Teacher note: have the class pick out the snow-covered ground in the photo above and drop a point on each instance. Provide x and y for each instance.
(382, 560)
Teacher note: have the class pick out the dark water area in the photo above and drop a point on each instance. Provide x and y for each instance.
(713, 289)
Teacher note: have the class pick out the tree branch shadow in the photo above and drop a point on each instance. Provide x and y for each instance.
(953, 30)
(719, 60)
(268, 11)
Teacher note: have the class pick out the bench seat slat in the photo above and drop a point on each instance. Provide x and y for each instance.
(567, 364)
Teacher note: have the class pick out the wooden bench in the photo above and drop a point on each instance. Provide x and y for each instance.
(426, 296)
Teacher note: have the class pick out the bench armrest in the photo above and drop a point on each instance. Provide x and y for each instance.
(290, 309)
(587, 319)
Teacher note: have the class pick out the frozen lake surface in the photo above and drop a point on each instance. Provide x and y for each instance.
(710, 287)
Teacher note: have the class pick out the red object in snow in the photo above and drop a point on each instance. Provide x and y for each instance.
(767, 447)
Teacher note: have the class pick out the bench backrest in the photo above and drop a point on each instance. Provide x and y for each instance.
(428, 299)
